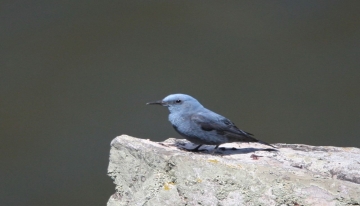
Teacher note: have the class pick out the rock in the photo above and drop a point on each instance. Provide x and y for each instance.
(151, 173)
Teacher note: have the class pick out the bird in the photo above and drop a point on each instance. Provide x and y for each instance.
(200, 125)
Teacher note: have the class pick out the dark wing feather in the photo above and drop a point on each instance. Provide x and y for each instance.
(224, 127)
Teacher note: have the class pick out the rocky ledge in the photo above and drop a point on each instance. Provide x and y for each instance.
(163, 173)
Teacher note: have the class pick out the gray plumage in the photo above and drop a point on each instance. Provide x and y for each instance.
(200, 125)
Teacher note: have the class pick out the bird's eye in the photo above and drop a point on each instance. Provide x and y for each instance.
(178, 101)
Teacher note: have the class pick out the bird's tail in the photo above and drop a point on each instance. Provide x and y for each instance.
(265, 143)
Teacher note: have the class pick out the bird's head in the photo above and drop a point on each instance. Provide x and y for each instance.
(178, 103)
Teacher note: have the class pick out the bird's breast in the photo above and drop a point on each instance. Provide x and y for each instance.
(180, 123)
(176, 120)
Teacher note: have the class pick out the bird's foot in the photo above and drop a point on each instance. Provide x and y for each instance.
(196, 149)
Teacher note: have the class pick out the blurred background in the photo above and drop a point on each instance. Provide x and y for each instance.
(76, 74)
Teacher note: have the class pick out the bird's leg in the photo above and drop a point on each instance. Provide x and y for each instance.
(217, 146)
(196, 149)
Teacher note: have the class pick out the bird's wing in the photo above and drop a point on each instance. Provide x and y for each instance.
(209, 122)
(212, 121)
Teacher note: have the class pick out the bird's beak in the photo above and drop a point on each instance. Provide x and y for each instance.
(160, 102)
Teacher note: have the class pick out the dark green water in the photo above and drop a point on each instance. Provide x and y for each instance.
(76, 74)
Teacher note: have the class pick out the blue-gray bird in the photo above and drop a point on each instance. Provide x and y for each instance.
(200, 125)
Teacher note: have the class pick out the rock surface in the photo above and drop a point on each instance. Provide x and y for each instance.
(151, 173)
